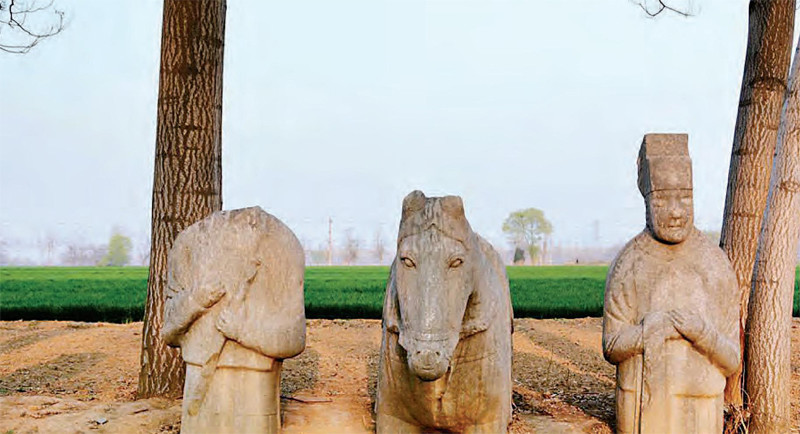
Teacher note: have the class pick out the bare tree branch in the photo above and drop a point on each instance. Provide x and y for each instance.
(34, 9)
(662, 6)
(19, 37)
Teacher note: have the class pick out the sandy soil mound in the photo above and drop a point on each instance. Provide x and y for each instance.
(81, 377)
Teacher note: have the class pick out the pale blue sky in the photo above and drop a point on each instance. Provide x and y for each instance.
(340, 108)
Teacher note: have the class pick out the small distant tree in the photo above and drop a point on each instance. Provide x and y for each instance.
(350, 247)
(76, 254)
(119, 251)
(519, 256)
(526, 228)
(48, 245)
(380, 246)
(143, 250)
(5, 259)
(319, 256)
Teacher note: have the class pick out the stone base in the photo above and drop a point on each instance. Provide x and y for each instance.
(237, 401)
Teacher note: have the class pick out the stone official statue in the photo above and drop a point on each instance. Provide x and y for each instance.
(670, 320)
(445, 360)
(235, 307)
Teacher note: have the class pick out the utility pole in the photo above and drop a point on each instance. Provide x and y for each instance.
(330, 241)
(546, 250)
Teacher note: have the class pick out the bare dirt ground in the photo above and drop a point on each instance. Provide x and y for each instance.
(81, 377)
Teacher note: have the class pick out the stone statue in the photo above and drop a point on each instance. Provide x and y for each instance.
(670, 320)
(235, 307)
(445, 361)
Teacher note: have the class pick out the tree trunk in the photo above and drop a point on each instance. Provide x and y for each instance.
(770, 324)
(769, 45)
(187, 184)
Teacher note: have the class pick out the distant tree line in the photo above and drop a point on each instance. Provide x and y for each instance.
(52, 251)
(349, 249)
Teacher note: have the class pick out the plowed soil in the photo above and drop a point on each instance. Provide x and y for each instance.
(81, 377)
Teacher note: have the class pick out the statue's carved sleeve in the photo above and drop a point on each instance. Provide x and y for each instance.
(719, 340)
(275, 327)
(180, 311)
(276, 338)
(622, 336)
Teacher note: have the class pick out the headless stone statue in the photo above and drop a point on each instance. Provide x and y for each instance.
(670, 320)
(235, 307)
(445, 361)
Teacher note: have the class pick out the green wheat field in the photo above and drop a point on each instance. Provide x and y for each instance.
(118, 294)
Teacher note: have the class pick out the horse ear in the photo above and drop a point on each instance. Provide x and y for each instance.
(391, 314)
(484, 302)
(453, 206)
(412, 203)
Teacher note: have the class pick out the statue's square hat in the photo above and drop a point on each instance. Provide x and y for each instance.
(664, 163)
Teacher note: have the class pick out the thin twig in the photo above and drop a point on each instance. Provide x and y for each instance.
(28, 11)
(310, 400)
(662, 7)
(14, 22)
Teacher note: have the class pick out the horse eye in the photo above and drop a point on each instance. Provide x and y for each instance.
(407, 262)
(455, 263)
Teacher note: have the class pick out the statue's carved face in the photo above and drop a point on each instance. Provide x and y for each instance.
(434, 283)
(670, 215)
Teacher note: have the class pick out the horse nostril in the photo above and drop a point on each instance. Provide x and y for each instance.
(428, 358)
(427, 364)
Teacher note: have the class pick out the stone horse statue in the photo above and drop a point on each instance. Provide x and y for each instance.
(445, 361)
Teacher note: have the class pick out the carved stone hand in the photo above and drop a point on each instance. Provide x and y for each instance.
(209, 295)
(229, 324)
(660, 323)
(232, 317)
(689, 324)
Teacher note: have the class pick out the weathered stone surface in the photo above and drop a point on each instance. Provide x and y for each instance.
(670, 323)
(445, 358)
(235, 307)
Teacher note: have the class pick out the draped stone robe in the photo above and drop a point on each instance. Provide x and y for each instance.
(671, 386)
(234, 347)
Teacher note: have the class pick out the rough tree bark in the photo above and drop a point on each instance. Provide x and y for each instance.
(768, 364)
(769, 45)
(187, 184)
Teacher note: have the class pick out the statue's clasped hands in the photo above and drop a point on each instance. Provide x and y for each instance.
(689, 323)
(230, 319)
(674, 324)
(211, 294)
